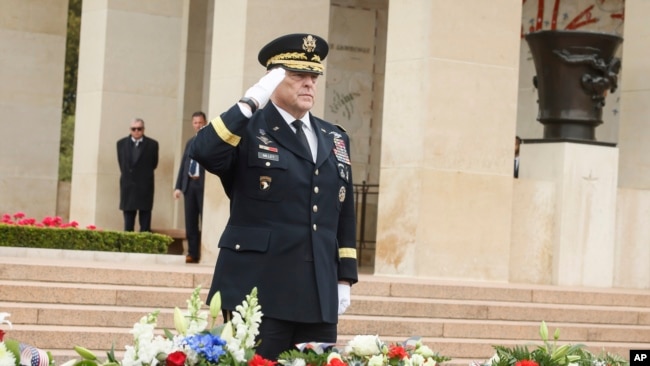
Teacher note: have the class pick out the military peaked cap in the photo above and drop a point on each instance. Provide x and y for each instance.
(296, 52)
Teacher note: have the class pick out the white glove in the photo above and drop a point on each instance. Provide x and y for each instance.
(344, 297)
(262, 91)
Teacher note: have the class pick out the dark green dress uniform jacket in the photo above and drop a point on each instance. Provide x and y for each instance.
(291, 231)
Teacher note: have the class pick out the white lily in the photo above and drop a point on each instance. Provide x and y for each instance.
(215, 306)
(3, 320)
(180, 323)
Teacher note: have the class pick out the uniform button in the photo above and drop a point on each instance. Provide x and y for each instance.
(315, 189)
(316, 172)
(315, 227)
(268, 163)
(237, 246)
(315, 208)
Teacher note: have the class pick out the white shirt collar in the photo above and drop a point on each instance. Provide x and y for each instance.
(288, 118)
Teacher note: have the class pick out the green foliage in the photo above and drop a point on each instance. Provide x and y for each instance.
(72, 57)
(14, 347)
(552, 354)
(76, 239)
(65, 150)
(311, 358)
(70, 90)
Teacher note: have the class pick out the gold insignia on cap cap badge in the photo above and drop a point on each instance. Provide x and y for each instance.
(309, 43)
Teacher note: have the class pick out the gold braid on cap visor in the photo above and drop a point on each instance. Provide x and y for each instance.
(296, 60)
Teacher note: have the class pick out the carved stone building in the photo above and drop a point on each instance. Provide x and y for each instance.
(431, 92)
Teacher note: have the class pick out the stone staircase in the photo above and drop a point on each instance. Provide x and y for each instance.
(57, 303)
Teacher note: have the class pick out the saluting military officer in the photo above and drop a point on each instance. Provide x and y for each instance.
(291, 231)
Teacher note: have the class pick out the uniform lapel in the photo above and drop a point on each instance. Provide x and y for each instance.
(325, 142)
(278, 128)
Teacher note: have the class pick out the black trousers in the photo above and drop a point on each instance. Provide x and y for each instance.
(193, 203)
(144, 218)
(277, 336)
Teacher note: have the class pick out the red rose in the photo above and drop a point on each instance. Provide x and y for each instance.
(526, 363)
(2, 335)
(336, 362)
(258, 360)
(176, 359)
(398, 352)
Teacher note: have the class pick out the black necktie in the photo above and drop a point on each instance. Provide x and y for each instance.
(301, 134)
(136, 151)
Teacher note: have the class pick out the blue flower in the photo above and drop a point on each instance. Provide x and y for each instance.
(207, 345)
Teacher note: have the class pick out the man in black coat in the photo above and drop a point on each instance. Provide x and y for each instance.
(190, 182)
(137, 156)
(291, 231)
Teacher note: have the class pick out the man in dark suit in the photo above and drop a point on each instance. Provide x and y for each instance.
(190, 181)
(291, 231)
(137, 156)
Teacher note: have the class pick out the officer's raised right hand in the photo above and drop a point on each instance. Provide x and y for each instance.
(262, 90)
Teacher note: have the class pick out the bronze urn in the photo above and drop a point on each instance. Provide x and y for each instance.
(574, 72)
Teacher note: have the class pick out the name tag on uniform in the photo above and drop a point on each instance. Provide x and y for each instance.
(268, 156)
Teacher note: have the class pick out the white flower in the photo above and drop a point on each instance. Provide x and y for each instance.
(69, 362)
(195, 320)
(417, 359)
(146, 346)
(364, 345)
(376, 360)
(3, 320)
(299, 362)
(430, 362)
(494, 359)
(246, 322)
(7, 358)
(424, 350)
(333, 355)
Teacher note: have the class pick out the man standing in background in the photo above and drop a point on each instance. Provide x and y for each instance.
(190, 182)
(137, 156)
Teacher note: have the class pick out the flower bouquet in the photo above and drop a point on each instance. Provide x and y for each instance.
(363, 350)
(550, 354)
(194, 344)
(198, 341)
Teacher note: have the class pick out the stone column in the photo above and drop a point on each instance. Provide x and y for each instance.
(234, 68)
(129, 66)
(633, 242)
(449, 121)
(195, 72)
(584, 216)
(32, 35)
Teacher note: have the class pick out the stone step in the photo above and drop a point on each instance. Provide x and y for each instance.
(151, 298)
(57, 303)
(102, 297)
(189, 276)
(488, 329)
(498, 310)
